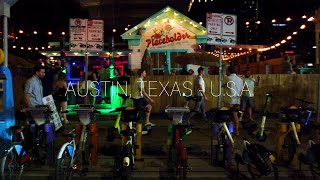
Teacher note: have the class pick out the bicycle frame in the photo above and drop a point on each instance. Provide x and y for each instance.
(72, 143)
(292, 127)
(117, 123)
(226, 130)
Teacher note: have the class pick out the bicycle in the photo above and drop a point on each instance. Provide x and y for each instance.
(125, 160)
(311, 157)
(115, 131)
(258, 157)
(222, 142)
(21, 153)
(69, 157)
(291, 115)
(180, 158)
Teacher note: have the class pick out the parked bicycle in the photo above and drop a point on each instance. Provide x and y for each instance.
(259, 160)
(69, 158)
(178, 156)
(125, 159)
(292, 116)
(222, 142)
(21, 154)
(115, 131)
(311, 157)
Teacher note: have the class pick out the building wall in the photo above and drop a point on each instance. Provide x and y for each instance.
(181, 39)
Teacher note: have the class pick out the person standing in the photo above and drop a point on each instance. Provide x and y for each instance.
(247, 99)
(60, 94)
(234, 85)
(33, 91)
(139, 96)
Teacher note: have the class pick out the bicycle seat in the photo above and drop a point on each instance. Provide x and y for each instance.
(70, 135)
(16, 129)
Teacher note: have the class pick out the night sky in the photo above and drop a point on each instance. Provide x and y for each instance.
(54, 14)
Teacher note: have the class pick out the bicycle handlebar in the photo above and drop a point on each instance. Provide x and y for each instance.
(123, 96)
(304, 101)
(193, 98)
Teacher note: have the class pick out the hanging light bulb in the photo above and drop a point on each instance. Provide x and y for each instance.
(294, 33)
(288, 19)
(20, 31)
(303, 26)
(35, 32)
(50, 33)
(311, 19)
(273, 21)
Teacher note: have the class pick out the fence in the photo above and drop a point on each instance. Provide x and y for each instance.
(168, 90)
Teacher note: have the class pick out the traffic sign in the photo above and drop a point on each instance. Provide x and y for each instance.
(78, 34)
(86, 35)
(221, 29)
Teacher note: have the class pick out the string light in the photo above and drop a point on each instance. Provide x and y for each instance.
(20, 31)
(311, 19)
(50, 33)
(35, 32)
(63, 33)
(14, 47)
(303, 26)
(273, 21)
(288, 19)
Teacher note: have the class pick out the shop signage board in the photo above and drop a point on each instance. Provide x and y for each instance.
(54, 117)
(86, 35)
(221, 29)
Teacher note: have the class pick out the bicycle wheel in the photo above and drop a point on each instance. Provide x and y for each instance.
(288, 149)
(221, 149)
(65, 165)
(11, 168)
(184, 162)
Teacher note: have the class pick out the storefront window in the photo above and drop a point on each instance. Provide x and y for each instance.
(159, 59)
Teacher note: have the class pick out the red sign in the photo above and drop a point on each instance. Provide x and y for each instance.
(157, 39)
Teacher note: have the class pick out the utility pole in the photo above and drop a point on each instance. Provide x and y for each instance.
(5, 6)
(317, 30)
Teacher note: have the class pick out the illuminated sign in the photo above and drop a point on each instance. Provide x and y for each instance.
(157, 39)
